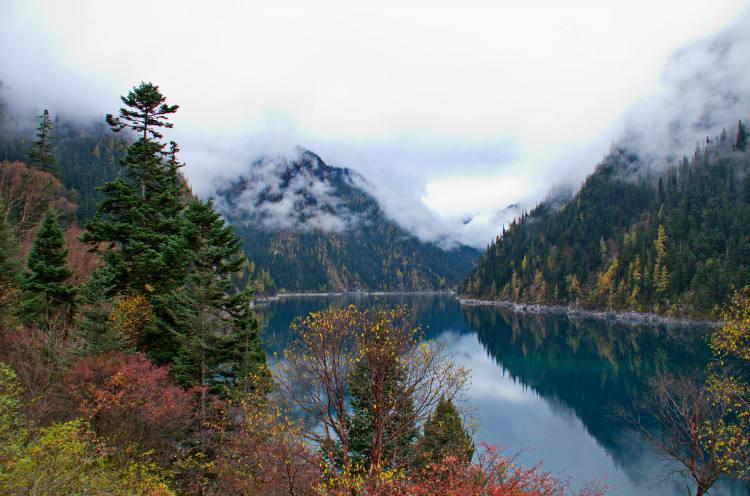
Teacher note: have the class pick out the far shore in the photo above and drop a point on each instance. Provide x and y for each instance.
(268, 299)
(626, 317)
(577, 312)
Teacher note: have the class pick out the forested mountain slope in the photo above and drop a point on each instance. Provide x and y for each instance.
(87, 154)
(315, 229)
(674, 241)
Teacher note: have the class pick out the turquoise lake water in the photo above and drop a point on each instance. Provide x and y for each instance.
(546, 384)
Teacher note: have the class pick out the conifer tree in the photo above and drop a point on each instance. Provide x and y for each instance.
(399, 432)
(139, 221)
(140, 213)
(216, 333)
(42, 154)
(742, 136)
(445, 435)
(46, 286)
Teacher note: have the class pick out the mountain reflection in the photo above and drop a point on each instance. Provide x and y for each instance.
(589, 365)
(546, 382)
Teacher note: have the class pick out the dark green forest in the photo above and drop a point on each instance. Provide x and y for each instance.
(87, 155)
(376, 255)
(673, 242)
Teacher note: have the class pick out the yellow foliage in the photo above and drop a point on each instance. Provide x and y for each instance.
(131, 315)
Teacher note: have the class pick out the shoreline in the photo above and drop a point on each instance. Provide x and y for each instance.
(572, 312)
(269, 299)
(624, 317)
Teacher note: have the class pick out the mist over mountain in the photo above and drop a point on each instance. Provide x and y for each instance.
(313, 228)
(705, 87)
(523, 125)
(635, 237)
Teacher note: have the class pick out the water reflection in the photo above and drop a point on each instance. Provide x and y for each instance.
(546, 382)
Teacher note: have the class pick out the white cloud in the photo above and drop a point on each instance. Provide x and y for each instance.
(411, 94)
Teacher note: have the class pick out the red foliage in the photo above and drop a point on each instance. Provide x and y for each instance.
(81, 259)
(265, 453)
(129, 399)
(25, 350)
(491, 475)
(27, 192)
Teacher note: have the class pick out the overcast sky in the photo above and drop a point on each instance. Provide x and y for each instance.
(452, 113)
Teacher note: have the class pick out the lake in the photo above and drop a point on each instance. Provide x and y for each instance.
(545, 384)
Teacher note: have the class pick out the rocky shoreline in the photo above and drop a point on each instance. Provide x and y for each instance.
(269, 299)
(577, 313)
(572, 312)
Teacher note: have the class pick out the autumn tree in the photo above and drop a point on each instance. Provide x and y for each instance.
(266, 453)
(13, 430)
(316, 378)
(69, 459)
(661, 274)
(705, 424)
(493, 474)
(128, 400)
(42, 154)
(383, 424)
(729, 385)
(27, 193)
(691, 429)
(63, 458)
(47, 293)
(398, 432)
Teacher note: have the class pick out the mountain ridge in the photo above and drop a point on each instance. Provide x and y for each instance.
(672, 241)
(299, 215)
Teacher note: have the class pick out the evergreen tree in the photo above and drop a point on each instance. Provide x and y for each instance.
(47, 291)
(742, 136)
(9, 270)
(42, 154)
(445, 435)
(140, 212)
(139, 221)
(400, 431)
(216, 332)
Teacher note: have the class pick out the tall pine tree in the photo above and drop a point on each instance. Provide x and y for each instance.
(139, 220)
(42, 154)
(217, 335)
(47, 292)
(140, 212)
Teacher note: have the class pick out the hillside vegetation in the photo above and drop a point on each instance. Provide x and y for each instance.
(675, 241)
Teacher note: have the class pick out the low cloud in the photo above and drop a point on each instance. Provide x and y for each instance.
(274, 194)
(447, 100)
(705, 88)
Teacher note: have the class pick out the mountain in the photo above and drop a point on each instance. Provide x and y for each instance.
(306, 226)
(314, 227)
(675, 241)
